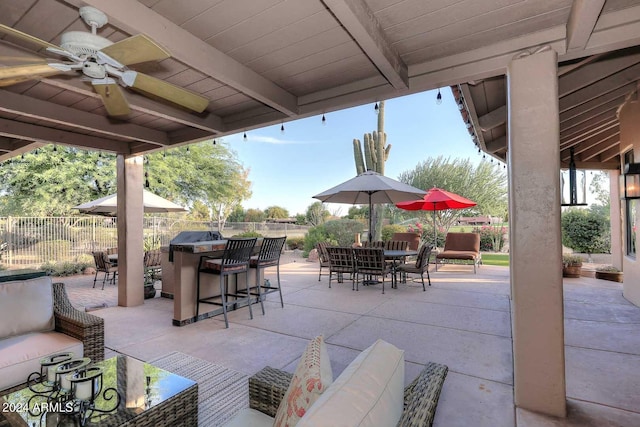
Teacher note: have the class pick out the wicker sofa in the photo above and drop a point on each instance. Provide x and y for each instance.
(365, 394)
(461, 247)
(37, 320)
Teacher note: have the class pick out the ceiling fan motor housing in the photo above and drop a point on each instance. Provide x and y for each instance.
(83, 44)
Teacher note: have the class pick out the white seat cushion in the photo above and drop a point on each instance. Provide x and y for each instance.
(250, 418)
(369, 392)
(20, 355)
(26, 306)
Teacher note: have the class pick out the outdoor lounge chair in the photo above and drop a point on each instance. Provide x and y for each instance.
(461, 247)
(268, 386)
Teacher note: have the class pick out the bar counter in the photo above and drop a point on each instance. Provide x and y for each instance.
(179, 279)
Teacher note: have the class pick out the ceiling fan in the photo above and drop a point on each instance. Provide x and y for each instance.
(103, 63)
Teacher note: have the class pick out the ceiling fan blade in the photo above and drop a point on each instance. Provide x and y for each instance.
(25, 37)
(136, 49)
(112, 98)
(165, 90)
(26, 72)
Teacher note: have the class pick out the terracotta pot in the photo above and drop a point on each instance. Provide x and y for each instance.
(614, 276)
(571, 271)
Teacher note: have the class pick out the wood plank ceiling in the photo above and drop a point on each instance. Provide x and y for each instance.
(264, 62)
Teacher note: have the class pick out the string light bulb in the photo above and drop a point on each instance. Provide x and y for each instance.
(282, 128)
(324, 120)
(376, 108)
(214, 142)
(438, 98)
(244, 136)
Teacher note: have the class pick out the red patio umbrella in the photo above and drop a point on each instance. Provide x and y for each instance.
(437, 199)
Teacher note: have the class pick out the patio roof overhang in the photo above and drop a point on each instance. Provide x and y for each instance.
(262, 63)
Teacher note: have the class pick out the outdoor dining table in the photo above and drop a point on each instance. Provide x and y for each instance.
(396, 256)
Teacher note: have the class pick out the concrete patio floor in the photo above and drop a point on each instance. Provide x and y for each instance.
(463, 320)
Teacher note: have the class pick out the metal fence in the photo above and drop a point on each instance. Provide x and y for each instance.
(33, 241)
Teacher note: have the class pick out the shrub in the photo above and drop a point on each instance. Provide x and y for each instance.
(569, 260)
(491, 238)
(248, 234)
(314, 236)
(65, 268)
(389, 230)
(585, 231)
(295, 243)
(343, 231)
(53, 249)
(607, 269)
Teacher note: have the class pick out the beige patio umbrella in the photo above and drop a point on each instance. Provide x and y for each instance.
(370, 188)
(152, 203)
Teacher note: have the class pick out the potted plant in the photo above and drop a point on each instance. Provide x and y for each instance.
(571, 265)
(609, 272)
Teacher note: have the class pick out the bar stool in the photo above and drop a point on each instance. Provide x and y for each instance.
(268, 256)
(235, 260)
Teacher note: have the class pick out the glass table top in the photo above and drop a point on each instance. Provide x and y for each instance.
(141, 387)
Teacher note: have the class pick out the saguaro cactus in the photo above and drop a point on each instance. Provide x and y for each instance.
(375, 151)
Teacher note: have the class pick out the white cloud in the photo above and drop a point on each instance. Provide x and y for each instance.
(267, 139)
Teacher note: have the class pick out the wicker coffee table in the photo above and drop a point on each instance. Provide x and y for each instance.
(169, 399)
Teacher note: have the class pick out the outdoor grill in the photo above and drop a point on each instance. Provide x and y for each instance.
(192, 237)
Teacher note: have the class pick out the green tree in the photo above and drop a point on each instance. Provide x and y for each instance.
(51, 180)
(485, 184)
(253, 215)
(358, 212)
(273, 212)
(237, 215)
(205, 172)
(317, 214)
(199, 212)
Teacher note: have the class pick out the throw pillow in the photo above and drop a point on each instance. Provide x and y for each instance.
(312, 376)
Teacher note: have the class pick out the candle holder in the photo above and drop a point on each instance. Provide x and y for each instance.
(47, 374)
(63, 371)
(86, 387)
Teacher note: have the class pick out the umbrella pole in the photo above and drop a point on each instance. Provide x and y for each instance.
(435, 231)
(370, 217)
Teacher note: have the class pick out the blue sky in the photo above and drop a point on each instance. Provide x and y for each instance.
(287, 169)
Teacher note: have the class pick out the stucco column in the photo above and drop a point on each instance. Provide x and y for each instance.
(130, 233)
(534, 233)
(615, 215)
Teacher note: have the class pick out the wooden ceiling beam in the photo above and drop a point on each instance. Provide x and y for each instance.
(493, 119)
(600, 88)
(135, 17)
(46, 135)
(594, 72)
(359, 21)
(582, 20)
(617, 95)
(67, 116)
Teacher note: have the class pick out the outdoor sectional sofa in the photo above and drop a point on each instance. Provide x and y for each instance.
(369, 392)
(461, 247)
(36, 321)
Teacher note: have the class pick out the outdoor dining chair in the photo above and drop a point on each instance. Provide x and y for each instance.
(235, 260)
(340, 262)
(370, 263)
(268, 256)
(420, 267)
(323, 257)
(103, 265)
